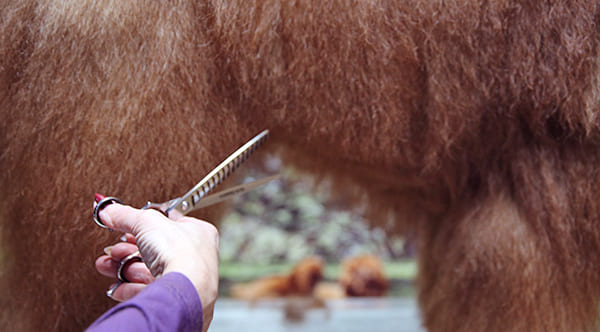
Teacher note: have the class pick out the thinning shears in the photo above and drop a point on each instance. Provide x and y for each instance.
(198, 197)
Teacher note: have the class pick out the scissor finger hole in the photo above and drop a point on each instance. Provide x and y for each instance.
(137, 272)
(135, 257)
(101, 205)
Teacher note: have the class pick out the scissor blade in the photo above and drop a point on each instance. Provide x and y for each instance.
(232, 192)
(188, 202)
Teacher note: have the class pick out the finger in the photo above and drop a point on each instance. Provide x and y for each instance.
(128, 237)
(136, 272)
(106, 266)
(114, 255)
(127, 219)
(122, 250)
(125, 291)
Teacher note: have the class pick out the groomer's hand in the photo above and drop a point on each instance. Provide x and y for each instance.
(137, 273)
(186, 245)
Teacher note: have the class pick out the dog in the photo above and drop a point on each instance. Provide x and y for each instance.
(360, 276)
(300, 282)
(363, 276)
(471, 124)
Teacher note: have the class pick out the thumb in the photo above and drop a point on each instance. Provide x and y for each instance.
(125, 218)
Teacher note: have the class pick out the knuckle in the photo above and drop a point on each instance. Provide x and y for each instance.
(211, 229)
(151, 214)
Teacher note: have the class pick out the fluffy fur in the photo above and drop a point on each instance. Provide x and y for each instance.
(359, 276)
(472, 123)
(363, 276)
(300, 281)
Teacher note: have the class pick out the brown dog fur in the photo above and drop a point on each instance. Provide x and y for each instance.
(363, 276)
(300, 281)
(359, 276)
(473, 123)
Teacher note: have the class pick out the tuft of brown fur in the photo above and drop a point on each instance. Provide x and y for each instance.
(472, 123)
(363, 276)
(300, 281)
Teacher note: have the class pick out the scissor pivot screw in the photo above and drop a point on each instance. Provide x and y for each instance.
(185, 205)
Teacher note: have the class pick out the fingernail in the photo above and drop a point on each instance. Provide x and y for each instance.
(110, 292)
(108, 249)
(98, 197)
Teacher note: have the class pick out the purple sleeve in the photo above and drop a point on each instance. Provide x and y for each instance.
(170, 303)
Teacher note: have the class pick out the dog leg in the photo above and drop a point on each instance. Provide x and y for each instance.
(485, 267)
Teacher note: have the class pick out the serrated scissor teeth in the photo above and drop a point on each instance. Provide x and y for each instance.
(187, 202)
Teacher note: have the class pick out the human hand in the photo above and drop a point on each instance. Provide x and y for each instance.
(136, 273)
(186, 245)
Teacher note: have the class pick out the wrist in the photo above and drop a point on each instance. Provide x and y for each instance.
(205, 281)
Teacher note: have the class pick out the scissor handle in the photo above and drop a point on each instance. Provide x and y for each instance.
(160, 207)
(110, 200)
(182, 205)
(101, 205)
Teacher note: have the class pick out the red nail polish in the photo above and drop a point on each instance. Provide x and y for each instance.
(98, 197)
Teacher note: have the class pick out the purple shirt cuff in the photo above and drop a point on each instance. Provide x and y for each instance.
(170, 303)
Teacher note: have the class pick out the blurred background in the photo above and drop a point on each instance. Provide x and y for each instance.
(272, 229)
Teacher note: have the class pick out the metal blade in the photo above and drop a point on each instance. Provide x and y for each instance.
(232, 192)
(187, 202)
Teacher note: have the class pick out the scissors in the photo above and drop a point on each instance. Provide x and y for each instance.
(198, 197)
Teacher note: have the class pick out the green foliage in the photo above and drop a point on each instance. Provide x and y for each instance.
(283, 222)
(404, 270)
